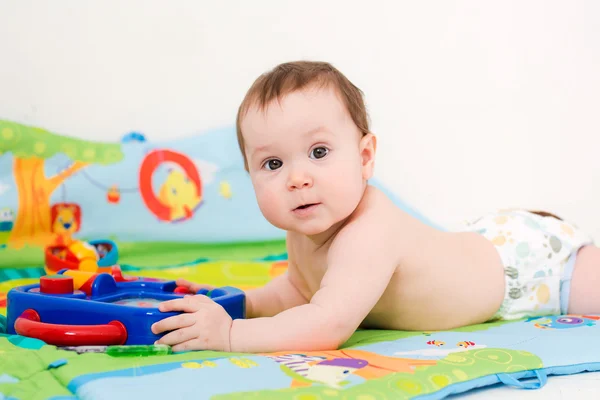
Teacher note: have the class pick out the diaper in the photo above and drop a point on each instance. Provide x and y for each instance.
(538, 254)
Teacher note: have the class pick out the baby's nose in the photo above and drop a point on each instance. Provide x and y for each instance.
(299, 181)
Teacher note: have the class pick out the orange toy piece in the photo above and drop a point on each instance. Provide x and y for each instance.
(86, 254)
(83, 280)
(78, 255)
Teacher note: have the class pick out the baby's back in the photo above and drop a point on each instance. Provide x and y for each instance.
(443, 279)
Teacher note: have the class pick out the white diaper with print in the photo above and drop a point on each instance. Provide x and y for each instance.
(538, 253)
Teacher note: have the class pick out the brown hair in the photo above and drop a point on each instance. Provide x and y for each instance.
(291, 76)
(546, 214)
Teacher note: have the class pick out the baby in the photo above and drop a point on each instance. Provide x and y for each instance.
(355, 258)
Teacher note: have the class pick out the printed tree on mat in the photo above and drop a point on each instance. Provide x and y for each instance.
(30, 148)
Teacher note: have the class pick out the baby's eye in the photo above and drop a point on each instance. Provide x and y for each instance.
(319, 152)
(273, 164)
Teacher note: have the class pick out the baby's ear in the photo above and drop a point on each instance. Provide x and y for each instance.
(368, 146)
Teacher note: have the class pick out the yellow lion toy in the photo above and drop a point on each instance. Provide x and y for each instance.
(66, 220)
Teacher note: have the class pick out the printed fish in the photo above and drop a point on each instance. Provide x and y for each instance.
(437, 343)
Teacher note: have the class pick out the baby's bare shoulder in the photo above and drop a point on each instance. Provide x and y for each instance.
(377, 211)
(373, 227)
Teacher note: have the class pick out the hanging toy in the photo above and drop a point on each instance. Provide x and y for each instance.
(113, 196)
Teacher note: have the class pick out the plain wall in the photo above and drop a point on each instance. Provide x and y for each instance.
(477, 105)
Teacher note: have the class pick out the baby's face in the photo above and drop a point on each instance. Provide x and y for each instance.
(306, 160)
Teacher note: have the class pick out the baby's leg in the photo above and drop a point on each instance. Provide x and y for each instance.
(585, 284)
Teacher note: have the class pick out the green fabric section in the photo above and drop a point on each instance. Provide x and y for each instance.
(157, 254)
(30, 368)
(37, 380)
(26, 141)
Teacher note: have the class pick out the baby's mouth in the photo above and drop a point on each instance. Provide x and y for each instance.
(305, 206)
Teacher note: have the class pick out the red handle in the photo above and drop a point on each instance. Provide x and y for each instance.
(29, 324)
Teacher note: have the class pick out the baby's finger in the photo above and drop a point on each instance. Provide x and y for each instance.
(186, 304)
(178, 336)
(189, 345)
(172, 323)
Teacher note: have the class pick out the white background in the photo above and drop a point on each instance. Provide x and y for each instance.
(477, 105)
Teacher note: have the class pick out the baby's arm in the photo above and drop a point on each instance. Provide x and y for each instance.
(276, 296)
(360, 266)
(279, 294)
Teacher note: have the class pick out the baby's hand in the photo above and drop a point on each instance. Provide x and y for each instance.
(204, 325)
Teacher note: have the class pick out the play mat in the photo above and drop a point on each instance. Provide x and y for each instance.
(185, 208)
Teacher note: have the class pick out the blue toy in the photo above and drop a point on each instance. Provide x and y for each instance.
(79, 308)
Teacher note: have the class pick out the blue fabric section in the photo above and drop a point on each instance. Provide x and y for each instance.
(228, 210)
(2, 397)
(510, 380)
(495, 379)
(63, 398)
